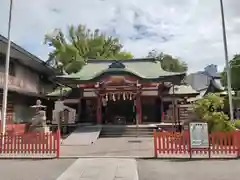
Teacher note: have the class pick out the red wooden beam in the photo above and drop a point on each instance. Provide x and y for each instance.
(93, 85)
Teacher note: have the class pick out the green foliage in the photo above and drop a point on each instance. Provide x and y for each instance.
(209, 109)
(168, 62)
(237, 124)
(235, 71)
(123, 55)
(71, 51)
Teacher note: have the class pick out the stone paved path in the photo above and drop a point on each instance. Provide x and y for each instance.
(101, 169)
(115, 147)
(188, 170)
(120, 169)
(33, 169)
(83, 136)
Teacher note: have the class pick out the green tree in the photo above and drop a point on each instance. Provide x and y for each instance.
(235, 71)
(71, 51)
(168, 62)
(209, 109)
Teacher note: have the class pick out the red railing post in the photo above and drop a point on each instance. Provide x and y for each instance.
(163, 116)
(58, 136)
(209, 145)
(237, 141)
(29, 144)
(189, 144)
(155, 142)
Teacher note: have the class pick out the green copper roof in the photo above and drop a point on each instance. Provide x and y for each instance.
(142, 68)
(57, 92)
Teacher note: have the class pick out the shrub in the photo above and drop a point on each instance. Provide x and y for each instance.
(237, 124)
(209, 109)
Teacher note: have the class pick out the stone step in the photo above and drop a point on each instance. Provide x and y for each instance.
(126, 132)
(83, 136)
(123, 135)
(168, 127)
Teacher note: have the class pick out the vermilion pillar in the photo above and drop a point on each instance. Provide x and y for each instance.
(139, 109)
(99, 110)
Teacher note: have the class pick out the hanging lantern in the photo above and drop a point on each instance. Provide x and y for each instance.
(113, 97)
(106, 96)
(124, 96)
(104, 102)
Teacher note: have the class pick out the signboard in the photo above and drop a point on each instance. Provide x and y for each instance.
(199, 135)
(59, 106)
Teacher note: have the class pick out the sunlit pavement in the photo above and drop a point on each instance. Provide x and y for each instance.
(113, 147)
(147, 169)
(189, 170)
(101, 169)
(33, 169)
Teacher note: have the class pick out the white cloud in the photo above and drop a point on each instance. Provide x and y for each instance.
(189, 29)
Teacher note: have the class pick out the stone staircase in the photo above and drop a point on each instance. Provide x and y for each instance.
(83, 135)
(170, 127)
(126, 131)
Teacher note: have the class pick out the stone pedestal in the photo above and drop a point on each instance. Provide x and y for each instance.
(44, 129)
(38, 123)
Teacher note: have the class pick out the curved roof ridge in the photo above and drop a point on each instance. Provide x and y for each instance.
(119, 71)
(121, 60)
(144, 69)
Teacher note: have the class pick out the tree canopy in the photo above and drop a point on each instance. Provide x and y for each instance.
(72, 50)
(235, 71)
(209, 109)
(168, 62)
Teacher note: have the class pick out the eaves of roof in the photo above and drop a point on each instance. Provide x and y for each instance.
(33, 61)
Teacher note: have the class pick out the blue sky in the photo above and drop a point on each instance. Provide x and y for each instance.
(188, 29)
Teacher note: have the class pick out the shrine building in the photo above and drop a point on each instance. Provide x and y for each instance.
(134, 91)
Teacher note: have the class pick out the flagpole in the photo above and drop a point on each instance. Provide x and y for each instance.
(228, 70)
(5, 87)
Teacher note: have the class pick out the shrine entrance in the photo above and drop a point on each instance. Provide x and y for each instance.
(118, 100)
(119, 109)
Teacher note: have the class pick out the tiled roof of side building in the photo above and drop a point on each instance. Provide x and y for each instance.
(183, 89)
(25, 57)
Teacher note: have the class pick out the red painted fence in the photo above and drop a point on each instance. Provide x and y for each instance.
(221, 145)
(15, 128)
(31, 145)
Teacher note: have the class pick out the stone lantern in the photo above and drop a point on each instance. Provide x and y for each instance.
(38, 123)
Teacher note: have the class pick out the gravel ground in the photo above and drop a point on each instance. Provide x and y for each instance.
(33, 169)
(188, 170)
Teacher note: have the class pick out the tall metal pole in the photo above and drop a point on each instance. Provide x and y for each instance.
(5, 88)
(228, 70)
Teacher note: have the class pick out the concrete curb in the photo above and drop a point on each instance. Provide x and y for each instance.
(151, 158)
(123, 157)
